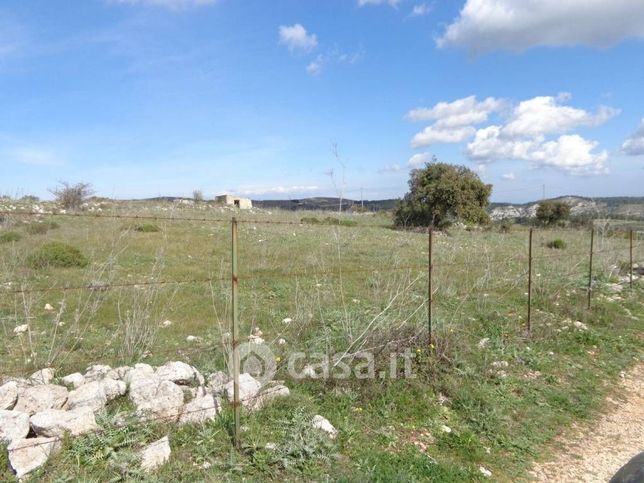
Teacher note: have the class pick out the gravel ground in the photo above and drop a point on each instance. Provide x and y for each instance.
(595, 452)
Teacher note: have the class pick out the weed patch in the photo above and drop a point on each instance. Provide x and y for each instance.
(10, 237)
(57, 255)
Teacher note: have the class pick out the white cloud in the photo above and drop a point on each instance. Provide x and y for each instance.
(171, 4)
(461, 112)
(280, 190)
(526, 135)
(33, 155)
(419, 159)
(485, 25)
(634, 144)
(333, 56)
(546, 115)
(392, 3)
(431, 135)
(295, 37)
(390, 168)
(508, 176)
(421, 9)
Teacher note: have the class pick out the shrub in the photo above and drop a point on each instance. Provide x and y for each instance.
(197, 196)
(552, 213)
(310, 220)
(557, 244)
(41, 228)
(10, 237)
(71, 197)
(505, 226)
(329, 220)
(146, 228)
(57, 254)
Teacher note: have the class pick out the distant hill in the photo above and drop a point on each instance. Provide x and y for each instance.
(325, 204)
(619, 207)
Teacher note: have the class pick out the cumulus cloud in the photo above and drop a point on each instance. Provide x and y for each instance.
(508, 176)
(419, 159)
(420, 10)
(634, 144)
(433, 135)
(538, 130)
(295, 37)
(486, 25)
(461, 112)
(392, 3)
(171, 4)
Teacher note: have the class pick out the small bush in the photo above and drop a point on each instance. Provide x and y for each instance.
(41, 228)
(71, 197)
(57, 254)
(197, 196)
(505, 226)
(557, 244)
(10, 237)
(329, 220)
(146, 228)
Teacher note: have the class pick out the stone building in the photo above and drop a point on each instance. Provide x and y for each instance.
(236, 201)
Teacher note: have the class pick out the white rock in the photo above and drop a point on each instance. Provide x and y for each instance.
(323, 424)
(155, 455)
(248, 388)
(35, 399)
(27, 455)
(8, 395)
(13, 425)
(580, 325)
(49, 308)
(156, 399)
(500, 364)
(281, 341)
(179, 373)
(483, 343)
(193, 338)
(287, 320)
(485, 472)
(255, 339)
(44, 376)
(97, 372)
(217, 383)
(96, 394)
(55, 423)
(267, 395)
(75, 380)
(21, 329)
(200, 410)
(446, 429)
(166, 323)
(119, 373)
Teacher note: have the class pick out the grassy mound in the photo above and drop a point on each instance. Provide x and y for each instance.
(38, 228)
(557, 244)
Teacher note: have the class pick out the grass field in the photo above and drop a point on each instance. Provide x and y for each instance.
(342, 286)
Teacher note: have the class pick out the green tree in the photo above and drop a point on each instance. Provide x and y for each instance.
(552, 212)
(442, 193)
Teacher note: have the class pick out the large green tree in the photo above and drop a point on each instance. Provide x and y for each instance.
(442, 193)
(553, 212)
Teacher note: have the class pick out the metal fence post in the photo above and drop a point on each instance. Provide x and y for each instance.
(429, 283)
(235, 335)
(529, 324)
(590, 266)
(631, 259)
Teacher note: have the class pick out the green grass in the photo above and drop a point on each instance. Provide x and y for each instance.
(10, 237)
(334, 281)
(57, 255)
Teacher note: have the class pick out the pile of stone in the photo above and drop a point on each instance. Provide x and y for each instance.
(37, 412)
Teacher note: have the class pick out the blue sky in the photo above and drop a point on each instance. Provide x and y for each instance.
(160, 97)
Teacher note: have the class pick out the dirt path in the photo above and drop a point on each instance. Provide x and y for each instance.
(595, 451)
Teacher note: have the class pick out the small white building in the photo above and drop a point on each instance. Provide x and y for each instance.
(236, 201)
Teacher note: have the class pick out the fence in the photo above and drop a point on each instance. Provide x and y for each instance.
(438, 273)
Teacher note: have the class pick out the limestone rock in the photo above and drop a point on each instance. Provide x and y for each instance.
(35, 399)
(267, 395)
(156, 399)
(13, 425)
(96, 394)
(323, 424)
(55, 423)
(155, 455)
(248, 389)
(27, 455)
(179, 373)
(75, 380)
(200, 410)
(217, 383)
(44, 376)
(97, 372)
(8, 395)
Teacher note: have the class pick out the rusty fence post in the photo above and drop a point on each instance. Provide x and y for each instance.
(235, 334)
(590, 266)
(529, 323)
(430, 268)
(631, 259)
